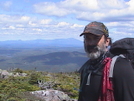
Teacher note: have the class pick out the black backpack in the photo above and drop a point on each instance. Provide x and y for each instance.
(122, 48)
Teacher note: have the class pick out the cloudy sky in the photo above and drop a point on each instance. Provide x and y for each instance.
(56, 19)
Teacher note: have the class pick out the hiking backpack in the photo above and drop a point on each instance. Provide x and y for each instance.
(122, 48)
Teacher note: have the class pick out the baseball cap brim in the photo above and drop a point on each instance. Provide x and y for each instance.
(92, 31)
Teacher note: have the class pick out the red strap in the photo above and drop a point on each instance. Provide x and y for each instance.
(107, 87)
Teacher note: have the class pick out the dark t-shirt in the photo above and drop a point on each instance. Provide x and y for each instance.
(123, 81)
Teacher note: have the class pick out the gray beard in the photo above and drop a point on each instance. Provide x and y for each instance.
(97, 54)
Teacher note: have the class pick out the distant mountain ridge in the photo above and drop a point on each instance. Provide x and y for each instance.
(70, 42)
(59, 55)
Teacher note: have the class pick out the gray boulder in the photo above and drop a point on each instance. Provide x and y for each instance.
(52, 95)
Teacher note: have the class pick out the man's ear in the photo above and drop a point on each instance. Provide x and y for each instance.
(108, 41)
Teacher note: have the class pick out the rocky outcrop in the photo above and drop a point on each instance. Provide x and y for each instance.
(52, 95)
(5, 74)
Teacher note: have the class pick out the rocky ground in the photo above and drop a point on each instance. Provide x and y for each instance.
(52, 95)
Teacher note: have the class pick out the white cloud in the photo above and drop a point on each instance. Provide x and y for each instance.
(45, 21)
(88, 9)
(49, 18)
(37, 29)
(11, 27)
(111, 4)
(31, 23)
(50, 8)
(131, 5)
(60, 24)
(14, 19)
(20, 28)
(24, 18)
(82, 5)
(19, 25)
(76, 26)
(45, 28)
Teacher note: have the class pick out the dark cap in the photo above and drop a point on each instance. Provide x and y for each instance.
(96, 28)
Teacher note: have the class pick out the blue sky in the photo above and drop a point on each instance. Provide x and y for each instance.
(56, 19)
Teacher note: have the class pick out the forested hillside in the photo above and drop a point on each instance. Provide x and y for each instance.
(64, 55)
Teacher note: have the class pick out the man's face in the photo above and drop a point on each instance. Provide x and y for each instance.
(95, 45)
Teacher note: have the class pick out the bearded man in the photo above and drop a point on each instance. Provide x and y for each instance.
(96, 84)
(96, 42)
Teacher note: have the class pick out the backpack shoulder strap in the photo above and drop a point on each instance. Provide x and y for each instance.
(113, 63)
